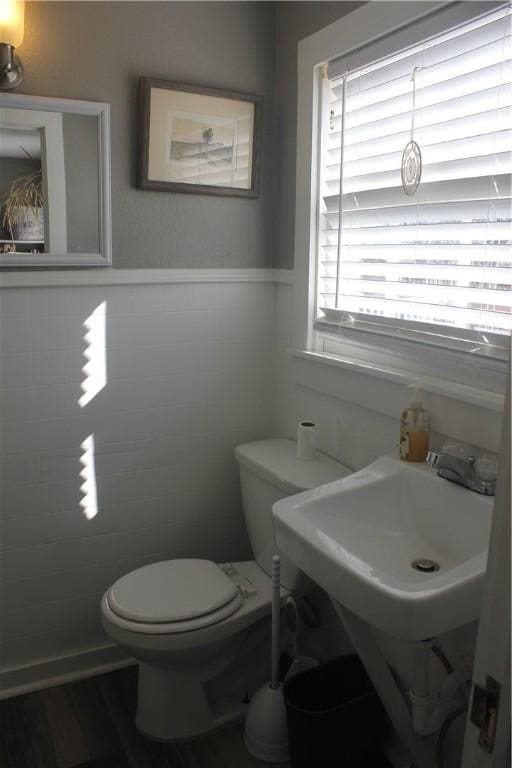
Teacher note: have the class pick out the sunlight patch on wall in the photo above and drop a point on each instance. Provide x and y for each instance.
(89, 500)
(95, 369)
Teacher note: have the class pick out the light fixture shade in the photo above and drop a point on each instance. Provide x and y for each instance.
(12, 22)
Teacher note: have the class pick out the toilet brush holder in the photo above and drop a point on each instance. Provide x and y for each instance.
(266, 733)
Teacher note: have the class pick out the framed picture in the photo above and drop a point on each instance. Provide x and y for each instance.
(200, 140)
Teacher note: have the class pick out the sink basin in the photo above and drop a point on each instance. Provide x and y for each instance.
(358, 538)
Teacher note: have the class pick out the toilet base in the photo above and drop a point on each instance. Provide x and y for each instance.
(172, 706)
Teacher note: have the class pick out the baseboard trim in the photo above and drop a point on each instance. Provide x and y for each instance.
(64, 669)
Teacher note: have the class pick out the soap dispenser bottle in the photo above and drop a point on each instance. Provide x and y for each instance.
(414, 429)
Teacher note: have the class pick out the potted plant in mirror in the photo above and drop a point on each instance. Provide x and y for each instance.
(23, 207)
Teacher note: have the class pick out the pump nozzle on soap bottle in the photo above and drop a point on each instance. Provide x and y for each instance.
(414, 428)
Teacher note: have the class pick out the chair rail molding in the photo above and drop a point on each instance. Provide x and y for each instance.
(46, 278)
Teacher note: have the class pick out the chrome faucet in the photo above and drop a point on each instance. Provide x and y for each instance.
(478, 475)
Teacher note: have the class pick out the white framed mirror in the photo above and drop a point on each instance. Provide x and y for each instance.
(55, 204)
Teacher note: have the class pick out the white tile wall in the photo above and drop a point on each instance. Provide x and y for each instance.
(191, 371)
(190, 374)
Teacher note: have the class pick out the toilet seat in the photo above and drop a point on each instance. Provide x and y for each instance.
(172, 596)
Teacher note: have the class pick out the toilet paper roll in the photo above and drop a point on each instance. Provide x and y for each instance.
(306, 441)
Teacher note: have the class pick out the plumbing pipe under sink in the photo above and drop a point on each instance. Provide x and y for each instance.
(429, 710)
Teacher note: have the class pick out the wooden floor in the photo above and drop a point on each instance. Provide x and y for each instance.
(89, 724)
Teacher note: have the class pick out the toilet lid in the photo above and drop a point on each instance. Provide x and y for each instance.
(172, 590)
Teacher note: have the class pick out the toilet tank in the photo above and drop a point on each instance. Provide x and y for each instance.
(270, 471)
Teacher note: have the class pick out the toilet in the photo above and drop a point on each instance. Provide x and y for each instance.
(187, 621)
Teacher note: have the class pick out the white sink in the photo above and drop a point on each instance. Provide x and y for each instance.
(357, 537)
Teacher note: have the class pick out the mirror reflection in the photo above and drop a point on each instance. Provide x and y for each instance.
(23, 181)
(21, 191)
(54, 183)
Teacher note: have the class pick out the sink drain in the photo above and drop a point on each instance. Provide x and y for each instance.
(424, 565)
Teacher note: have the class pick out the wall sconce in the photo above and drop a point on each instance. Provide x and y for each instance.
(12, 23)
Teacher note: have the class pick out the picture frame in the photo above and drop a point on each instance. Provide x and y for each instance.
(198, 140)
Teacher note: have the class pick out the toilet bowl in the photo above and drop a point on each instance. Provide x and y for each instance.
(187, 621)
(178, 656)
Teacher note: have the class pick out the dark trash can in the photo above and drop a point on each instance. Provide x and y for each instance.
(335, 718)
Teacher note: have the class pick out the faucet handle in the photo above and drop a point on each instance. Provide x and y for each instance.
(433, 458)
(455, 449)
(486, 470)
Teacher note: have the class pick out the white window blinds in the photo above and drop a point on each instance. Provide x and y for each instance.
(443, 255)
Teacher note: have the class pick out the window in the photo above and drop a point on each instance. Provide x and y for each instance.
(438, 262)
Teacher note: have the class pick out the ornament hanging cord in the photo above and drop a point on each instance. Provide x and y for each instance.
(411, 157)
(413, 78)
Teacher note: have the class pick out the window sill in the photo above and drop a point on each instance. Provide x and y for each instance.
(432, 384)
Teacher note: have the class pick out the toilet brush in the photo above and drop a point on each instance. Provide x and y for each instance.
(266, 735)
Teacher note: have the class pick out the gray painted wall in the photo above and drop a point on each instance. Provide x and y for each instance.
(97, 51)
(294, 22)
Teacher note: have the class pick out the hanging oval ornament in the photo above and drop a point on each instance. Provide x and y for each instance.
(411, 156)
(411, 168)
